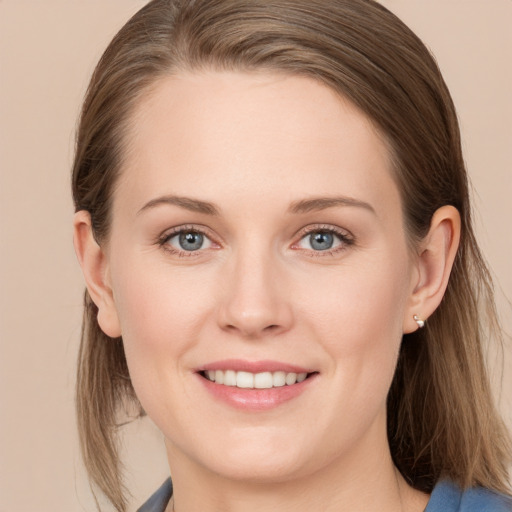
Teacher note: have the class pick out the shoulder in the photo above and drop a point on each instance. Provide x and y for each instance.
(159, 499)
(447, 497)
(483, 500)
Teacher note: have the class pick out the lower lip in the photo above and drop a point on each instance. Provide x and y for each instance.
(256, 399)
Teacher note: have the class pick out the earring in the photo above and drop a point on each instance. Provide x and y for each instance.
(419, 321)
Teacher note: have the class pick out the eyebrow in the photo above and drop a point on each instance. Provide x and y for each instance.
(296, 207)
(322, 203)
(188, 203)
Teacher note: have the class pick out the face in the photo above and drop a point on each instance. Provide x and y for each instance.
(260, 273)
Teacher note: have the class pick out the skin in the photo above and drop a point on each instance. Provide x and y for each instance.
(256, 145)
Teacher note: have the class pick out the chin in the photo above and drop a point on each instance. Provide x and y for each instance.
(261, 463)
(259, 471)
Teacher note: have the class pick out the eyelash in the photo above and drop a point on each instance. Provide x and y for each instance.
(344, 237)
(164, 239)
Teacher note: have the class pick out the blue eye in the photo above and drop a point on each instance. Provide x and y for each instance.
(321, 241)
(189, 241)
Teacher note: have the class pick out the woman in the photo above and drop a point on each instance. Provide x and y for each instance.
(274, 227)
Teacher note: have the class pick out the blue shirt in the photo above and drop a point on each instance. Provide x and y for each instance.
(446, 497)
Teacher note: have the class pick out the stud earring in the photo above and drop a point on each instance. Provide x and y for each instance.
(419, 321)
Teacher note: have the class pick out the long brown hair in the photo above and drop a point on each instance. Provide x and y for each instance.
(441, 417)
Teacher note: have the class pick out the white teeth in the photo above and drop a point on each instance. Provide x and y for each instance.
(291, 378)
(278, 379)
(230, 378)
(263, 380)
(244, 380)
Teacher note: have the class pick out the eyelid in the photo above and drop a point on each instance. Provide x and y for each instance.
(186, 228)
(345, 236)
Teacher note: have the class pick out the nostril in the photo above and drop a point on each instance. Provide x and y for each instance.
(251, 330)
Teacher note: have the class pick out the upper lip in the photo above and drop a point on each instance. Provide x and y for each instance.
(253, 366)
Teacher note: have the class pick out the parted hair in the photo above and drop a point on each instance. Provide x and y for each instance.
(442, 420)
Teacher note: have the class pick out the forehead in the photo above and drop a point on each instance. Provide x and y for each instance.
(226, 134)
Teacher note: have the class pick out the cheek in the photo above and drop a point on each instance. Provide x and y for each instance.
(358, 311)
(161, 310)
(162, 315)
(357, 316)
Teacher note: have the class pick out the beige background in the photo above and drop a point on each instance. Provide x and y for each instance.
(47, 52)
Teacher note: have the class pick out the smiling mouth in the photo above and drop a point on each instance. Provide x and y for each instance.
(248, 380)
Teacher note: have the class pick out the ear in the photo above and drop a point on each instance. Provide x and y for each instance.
(94, 263)
(434, 263)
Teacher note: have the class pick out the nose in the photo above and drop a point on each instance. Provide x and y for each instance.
(256, 299)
